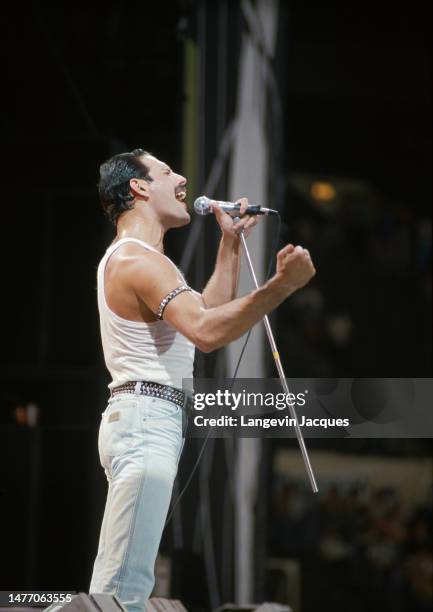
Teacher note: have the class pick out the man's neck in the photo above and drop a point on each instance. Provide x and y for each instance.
(148, 230)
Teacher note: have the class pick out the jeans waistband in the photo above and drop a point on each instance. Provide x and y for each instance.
(153, 389)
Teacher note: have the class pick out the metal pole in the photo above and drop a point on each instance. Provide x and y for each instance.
(278, 363)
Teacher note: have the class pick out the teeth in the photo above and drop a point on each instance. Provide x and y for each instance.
(181, 195)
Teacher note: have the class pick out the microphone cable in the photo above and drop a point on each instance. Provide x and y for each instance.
(196, 464)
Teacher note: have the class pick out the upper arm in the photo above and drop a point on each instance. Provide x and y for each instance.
(152, 277)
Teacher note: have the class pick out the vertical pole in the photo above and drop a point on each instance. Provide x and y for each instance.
(249, 176)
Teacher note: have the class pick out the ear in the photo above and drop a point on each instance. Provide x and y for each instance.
(139, 188)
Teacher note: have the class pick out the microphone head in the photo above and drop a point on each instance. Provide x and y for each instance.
(202, 206)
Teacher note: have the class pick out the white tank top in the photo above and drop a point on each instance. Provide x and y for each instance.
(135, 350)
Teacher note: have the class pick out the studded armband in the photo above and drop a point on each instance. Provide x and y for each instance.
(168, 299)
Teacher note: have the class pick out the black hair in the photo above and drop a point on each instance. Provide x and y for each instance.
(114, 176)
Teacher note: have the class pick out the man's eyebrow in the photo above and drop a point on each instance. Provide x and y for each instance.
(167, 167)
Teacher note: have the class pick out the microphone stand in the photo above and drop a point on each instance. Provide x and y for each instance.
(282, 376)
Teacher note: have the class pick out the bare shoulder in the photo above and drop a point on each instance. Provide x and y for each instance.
(132, 257)
(137, 266)
(136, 279)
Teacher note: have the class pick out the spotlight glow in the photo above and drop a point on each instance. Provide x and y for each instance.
(323, 191)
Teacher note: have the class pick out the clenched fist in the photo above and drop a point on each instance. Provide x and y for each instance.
(294, 269)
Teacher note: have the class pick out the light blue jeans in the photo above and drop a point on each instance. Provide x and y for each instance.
(140, 443)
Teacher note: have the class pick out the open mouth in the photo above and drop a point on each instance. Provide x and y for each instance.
(180, 195)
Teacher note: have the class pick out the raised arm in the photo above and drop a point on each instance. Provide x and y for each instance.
(223, 284)
(152, 277)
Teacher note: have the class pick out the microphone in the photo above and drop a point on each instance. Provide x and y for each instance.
(203, 206)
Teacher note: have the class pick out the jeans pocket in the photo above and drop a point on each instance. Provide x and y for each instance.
(122, 427)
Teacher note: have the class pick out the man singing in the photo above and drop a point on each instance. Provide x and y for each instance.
(151, 322)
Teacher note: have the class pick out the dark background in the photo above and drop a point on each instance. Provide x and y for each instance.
(83, 81)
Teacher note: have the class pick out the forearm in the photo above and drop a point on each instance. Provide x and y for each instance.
(222, 285)
(210, 328)
(221, 325)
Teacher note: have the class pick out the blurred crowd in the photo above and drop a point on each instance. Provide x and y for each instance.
(359, 547)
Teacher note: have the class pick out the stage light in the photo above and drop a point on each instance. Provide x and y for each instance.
(323, 191)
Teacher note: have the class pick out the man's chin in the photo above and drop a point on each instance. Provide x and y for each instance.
(187, 218)
(182, 220)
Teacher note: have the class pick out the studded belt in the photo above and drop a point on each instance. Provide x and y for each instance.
(153, 389)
